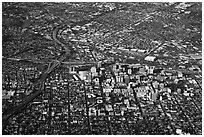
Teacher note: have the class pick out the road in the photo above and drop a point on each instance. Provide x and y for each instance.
(27, 100)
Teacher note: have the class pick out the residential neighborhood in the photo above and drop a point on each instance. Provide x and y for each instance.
(102, 88)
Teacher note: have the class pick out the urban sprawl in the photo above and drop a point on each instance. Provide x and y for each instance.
(149, 95)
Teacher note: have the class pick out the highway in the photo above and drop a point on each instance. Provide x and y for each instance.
(32, 96)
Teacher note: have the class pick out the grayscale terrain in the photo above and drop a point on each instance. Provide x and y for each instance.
(131, 68)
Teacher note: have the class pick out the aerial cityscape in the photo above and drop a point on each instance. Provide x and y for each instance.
(101, 68)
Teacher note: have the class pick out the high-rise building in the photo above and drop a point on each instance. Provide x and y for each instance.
(129, 71)
(127, 79)
(180, 74)
(88, 77)
(82, 74)
(118, 79)
(99, 64)
(151, 69)
(93, 72)
(72, 69)
(93, 69)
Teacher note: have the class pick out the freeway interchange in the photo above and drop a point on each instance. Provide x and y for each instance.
(122, 89)
(110, 120)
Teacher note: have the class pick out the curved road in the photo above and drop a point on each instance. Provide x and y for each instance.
(27, 100)
(30, 98)
(54, 36)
